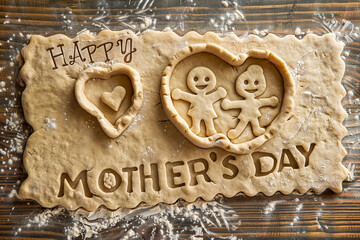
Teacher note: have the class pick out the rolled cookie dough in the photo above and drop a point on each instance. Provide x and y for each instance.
(188, 125)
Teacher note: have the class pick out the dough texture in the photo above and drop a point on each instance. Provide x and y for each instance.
(156, 117)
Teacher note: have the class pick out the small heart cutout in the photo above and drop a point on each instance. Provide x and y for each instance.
(113, 130)
(114, 99)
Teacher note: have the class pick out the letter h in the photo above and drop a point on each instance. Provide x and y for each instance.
(57, 55)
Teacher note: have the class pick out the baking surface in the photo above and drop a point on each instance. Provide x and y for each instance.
(279, 216)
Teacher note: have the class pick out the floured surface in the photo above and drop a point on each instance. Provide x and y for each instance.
(305, 154)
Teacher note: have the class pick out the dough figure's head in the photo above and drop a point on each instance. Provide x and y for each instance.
(201, 79)
(251, 82)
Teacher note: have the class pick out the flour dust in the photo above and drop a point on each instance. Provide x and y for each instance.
(160, 220)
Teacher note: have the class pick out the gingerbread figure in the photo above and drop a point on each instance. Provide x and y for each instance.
(250, 85)
(201, 81)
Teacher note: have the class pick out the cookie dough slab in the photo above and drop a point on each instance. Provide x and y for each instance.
(77, 164)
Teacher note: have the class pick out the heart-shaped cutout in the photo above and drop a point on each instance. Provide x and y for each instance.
(112, 129)
(114, 98)
(218, 99)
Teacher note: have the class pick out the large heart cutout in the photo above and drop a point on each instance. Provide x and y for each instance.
(103, 73)
(218, 99)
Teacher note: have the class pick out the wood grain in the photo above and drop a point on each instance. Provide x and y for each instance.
(327, 215)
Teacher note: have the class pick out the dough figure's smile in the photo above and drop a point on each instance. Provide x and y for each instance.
(201, 87)
(251, 90)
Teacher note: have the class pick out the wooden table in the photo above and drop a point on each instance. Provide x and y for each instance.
(326, 215)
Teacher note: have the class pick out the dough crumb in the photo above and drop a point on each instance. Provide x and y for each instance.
(146, 23)
(270, 207)
(299, 207)
(50, 123)
(350, 172)
(298, 31)
(13, 193)
(2, 152)
(225, 3)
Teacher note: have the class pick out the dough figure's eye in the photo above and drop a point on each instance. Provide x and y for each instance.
(246, 82)
(207, 79)
(195, 79)
(256, 82)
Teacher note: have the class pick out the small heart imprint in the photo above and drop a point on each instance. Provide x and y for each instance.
(114, 99)
(114, 95)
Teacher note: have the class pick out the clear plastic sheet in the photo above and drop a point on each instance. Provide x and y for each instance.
(293, 216)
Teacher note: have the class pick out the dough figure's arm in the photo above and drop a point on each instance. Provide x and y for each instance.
(179, 94)
(218, 94)
(226, 104)
(272, 101)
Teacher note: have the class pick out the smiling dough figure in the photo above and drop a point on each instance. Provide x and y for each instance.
(249, 85)
(201, 81)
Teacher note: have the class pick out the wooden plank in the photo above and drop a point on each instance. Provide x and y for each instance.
(327, 215)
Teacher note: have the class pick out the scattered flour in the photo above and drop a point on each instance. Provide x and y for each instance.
(323, 227)
(43, 218)
(227, 22)
(345, 30)
(159, 220)
(154, 222)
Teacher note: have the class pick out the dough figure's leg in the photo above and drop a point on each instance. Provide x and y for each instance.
(195, 125)
(257, 130)
(236, 132)
(210, 129)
